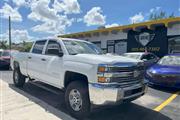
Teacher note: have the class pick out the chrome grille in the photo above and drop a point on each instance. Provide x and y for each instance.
(125, 69)
(127, 80)
(130, 79)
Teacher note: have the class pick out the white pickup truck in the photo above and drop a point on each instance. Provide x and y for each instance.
(79, 67)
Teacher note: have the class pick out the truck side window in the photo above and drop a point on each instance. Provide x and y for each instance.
(38, 47)
(53, 48)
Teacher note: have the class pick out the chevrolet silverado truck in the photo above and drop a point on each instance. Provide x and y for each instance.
(87, 76)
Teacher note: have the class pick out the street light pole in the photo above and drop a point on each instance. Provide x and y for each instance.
(9, 32)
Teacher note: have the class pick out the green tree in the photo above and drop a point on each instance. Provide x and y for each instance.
(27, 46)
(22, 47)
(160, 15)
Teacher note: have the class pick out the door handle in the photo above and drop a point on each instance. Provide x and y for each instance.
(43, 59)
(29, 57)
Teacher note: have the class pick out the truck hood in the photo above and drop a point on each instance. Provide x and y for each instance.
(100, 59)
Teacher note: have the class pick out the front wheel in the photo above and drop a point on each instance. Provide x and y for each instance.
(77, 99)
(18, 78)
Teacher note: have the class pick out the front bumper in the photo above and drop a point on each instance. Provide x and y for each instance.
(102, 94)
(163, 83)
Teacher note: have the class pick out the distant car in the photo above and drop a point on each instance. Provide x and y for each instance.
(166, 72)
(5, 58)
(148, 58)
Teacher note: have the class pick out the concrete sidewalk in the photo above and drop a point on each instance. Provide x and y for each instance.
(15, 106)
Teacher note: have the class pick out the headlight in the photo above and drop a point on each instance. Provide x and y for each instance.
(102, 68)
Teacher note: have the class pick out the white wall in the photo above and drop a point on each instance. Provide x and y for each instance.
(104, 38)
(174, 30)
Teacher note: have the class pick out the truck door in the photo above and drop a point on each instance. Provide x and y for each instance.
(34, 63)
(53, 64)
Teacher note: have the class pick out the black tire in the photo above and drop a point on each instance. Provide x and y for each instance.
(82, 88)
(18, 78)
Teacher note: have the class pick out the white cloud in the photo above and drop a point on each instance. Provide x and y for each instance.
(7, 11)
(111, 25)
(52, 22)
(41, 11)
(53, 27)
(17, 36)
(20, 2)
(179, 9)
(94, 17)
(137, 18)
(79, 19)
(156, 9)
(67, 6)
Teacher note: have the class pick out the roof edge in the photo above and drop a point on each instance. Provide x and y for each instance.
(148, 24)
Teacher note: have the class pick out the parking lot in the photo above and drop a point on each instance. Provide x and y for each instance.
(157, 104)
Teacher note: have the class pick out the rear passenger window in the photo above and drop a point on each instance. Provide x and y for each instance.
(53, 48)
(38, 47)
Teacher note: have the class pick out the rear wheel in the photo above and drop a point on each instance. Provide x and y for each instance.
(77, 99)
(18, 78)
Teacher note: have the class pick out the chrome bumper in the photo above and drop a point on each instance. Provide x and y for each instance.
(102, 94)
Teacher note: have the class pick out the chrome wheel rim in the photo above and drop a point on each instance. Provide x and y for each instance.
(75, 100)
(16, 77)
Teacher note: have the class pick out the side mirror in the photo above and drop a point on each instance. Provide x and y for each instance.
(61, 54)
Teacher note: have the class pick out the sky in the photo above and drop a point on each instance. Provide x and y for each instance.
(37, 19)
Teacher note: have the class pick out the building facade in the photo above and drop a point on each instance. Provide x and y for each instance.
(160, 37)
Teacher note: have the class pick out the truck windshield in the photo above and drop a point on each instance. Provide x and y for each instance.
(80, 47)
(170, 60)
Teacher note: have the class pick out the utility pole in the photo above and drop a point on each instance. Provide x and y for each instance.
(9, 32)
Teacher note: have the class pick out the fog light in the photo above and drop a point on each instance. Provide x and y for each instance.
(103, 80)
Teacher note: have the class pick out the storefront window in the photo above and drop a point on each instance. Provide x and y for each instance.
(174, 45)
(98, 43)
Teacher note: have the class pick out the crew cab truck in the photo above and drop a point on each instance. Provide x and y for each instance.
(79, 67)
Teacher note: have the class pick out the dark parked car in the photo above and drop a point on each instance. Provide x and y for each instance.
(5, 58)
(148, 58)
(166, 72)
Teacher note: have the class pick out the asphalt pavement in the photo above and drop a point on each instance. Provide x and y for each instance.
(157, 104)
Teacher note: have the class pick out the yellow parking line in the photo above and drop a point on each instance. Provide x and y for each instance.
(166, 102)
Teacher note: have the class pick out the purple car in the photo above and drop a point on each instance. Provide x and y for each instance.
(166, 72)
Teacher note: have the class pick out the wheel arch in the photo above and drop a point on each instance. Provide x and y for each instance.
(16, 65)
(74, 76)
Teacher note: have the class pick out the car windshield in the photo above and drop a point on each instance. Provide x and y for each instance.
(170, 60)
(80, 47)
(5, 53)
(134, 56)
